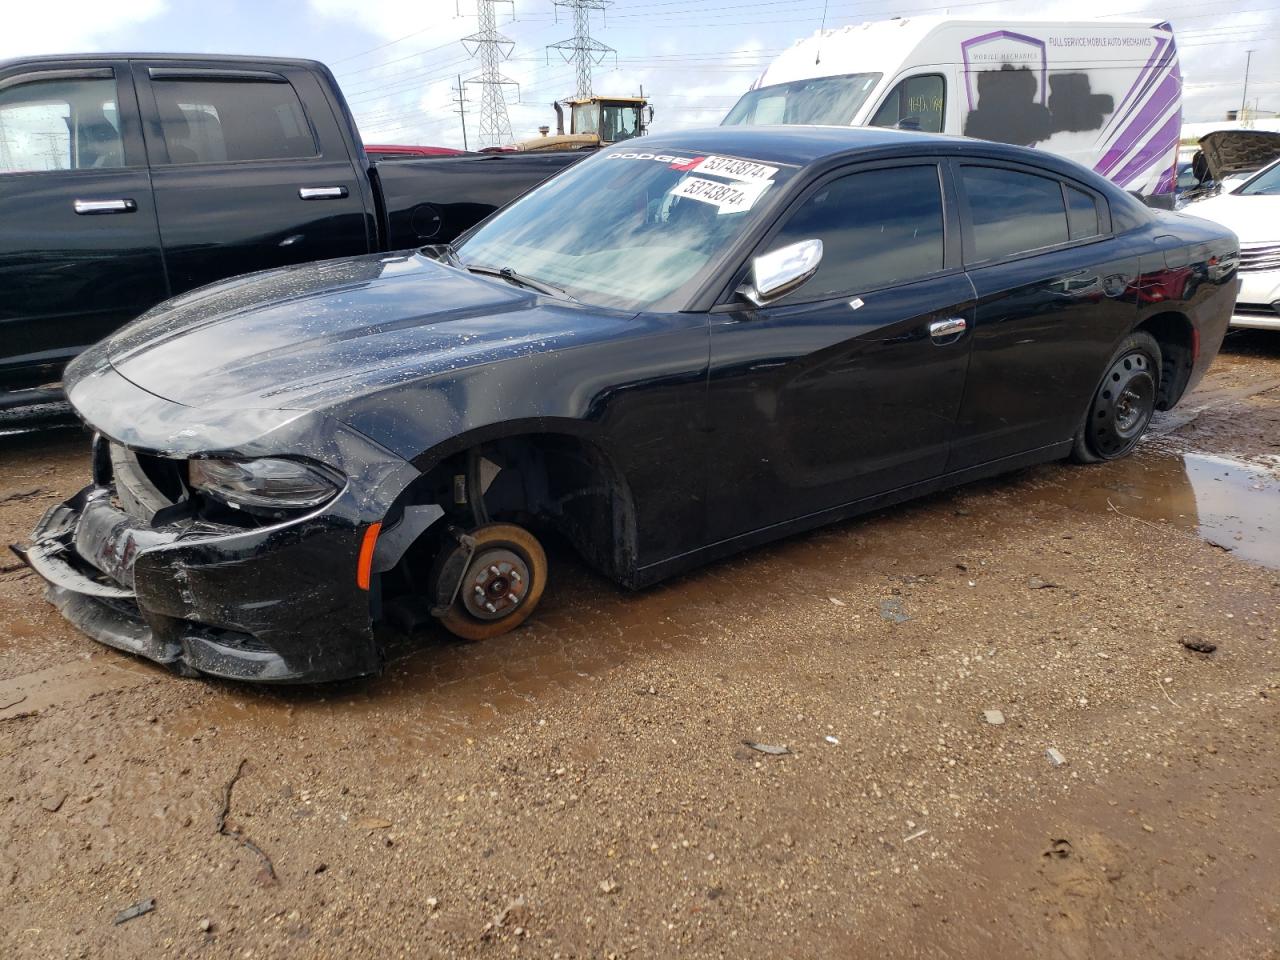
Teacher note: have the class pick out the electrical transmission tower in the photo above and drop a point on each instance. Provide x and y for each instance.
(491, 46)
(582, 49)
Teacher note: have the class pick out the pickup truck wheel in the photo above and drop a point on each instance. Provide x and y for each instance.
(502, 584)
(1123, 403)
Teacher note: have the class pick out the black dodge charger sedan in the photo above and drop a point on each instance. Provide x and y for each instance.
(672, 351)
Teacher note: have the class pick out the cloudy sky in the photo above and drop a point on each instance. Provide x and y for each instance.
(397, 60)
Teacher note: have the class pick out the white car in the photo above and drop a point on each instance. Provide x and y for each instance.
(1252, 210)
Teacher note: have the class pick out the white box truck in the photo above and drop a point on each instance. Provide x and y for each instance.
(1105, 94)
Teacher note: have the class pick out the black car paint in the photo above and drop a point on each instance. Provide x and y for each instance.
(67, 280)
(721, 425)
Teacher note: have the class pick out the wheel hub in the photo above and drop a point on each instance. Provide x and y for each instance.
(1128, 410)
(495, 584)
(1123, 406)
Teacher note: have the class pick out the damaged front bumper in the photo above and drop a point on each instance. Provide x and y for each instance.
(271, 604)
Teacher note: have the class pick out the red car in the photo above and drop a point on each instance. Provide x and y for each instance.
(395, 151)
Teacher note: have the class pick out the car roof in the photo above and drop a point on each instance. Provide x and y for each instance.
(804, 145)
(790, 143)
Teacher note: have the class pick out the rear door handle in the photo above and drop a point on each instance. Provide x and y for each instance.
(948, 330)
(322, 193)
(92, 207)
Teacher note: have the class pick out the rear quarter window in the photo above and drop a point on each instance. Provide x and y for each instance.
(1084, 219)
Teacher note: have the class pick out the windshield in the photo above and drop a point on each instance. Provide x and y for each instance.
(619, 123)
(825, 100)
(627, 229)
(1266, 183)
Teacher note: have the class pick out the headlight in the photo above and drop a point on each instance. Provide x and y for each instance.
(268, 483)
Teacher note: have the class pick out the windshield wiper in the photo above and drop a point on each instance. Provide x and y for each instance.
(506, 273)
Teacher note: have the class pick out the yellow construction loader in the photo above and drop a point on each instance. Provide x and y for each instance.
(593, 122)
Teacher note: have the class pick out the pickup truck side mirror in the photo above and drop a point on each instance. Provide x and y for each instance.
(779, 272)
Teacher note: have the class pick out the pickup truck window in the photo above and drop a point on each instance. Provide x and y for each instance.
(217, 121)
(60, 125)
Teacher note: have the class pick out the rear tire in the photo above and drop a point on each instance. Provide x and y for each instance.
(502, 585)
(1123, 403)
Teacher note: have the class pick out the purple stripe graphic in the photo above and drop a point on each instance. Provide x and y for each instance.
(1121, 114)
(1164, 97)
(1160, 144)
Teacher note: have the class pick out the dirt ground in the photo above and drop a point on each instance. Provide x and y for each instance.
(582, 788)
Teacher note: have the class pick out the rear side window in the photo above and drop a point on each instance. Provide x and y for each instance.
(877, 228)
(916, 104)
(217, 121)
(1013, 212)
(60, 125)
(1082, 214)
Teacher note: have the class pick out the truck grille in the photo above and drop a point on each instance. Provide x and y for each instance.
(1259, 257)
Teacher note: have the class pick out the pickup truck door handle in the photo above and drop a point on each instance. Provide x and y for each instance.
(92, 207)
(322, 193)
(948, 330)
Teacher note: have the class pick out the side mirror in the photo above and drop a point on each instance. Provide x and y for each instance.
(781, 271)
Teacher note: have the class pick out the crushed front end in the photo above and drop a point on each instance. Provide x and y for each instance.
(147, 560)
(133, 563)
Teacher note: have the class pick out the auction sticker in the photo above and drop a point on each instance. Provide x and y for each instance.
(728, 197)
(747, 171)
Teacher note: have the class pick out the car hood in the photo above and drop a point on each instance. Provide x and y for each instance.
(1253, 218)
(307, 337)
(1230, 152)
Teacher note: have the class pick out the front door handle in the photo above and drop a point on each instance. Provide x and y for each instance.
(322, 193)
(93, 207)
(948, 330)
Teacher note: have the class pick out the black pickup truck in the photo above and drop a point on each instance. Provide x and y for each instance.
(126, 179)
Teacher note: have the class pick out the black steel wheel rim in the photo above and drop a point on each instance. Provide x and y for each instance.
(1123, 405)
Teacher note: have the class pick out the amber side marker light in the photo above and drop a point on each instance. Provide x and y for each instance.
(365, 566)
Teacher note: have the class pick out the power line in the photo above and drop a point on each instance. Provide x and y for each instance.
(460, 108)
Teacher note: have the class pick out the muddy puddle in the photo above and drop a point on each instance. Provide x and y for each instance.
(1234, 504)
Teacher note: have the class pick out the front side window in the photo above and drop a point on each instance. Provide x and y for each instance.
(216, 121)
(914, 104)
(1012, 212)
(628, 228)
(877, 228)
(825, 100)
(60, 125)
